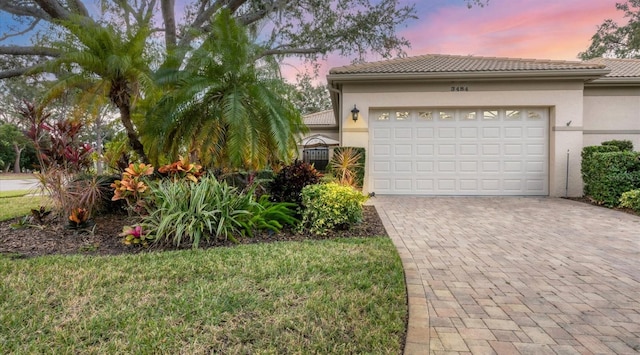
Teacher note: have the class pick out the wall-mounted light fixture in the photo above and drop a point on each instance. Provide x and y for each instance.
(354, 113)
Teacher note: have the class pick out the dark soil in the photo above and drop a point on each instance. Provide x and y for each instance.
(585, 199)
(103, 239)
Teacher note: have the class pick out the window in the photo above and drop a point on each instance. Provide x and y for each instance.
(513, 114)
(402, 115)
(446, 115)
(425, 115)
(534, 115)
(490, 115)
(383, 116)
(469, 115)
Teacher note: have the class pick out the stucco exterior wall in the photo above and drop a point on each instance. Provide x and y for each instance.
(563, 99)
(611, 113)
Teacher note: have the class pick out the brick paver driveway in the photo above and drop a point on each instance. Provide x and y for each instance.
(517, 275)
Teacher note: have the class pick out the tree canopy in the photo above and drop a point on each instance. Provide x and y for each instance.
(124, 50)
(615, 40)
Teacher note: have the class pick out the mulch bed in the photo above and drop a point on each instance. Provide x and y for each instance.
(103, 238)
(587, 200)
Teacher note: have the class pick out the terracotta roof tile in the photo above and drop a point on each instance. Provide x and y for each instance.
(436, 63)
(322, 118)
(620, 68)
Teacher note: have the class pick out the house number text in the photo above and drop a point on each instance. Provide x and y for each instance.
(459, 88)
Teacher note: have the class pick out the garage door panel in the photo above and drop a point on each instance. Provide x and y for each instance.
(402, 133)
(513, 149)
(513, 167)
(447, 185)
(381, 133)
(447, 149)
(402, 167)
(496, 152)
(382, 150)
(491, 149)
(447, 133)
(535, 132)
(490, 166)
(424, 167)
(424, 185)
(468, 185)
(490, 132)
(513, 132)
(422, 133)
(403, 149)
(536, 150)
(468, 149)
(447, 166)
(468, 132)
(381, 167)
(468, 166)
(402, 185)
(424, 150)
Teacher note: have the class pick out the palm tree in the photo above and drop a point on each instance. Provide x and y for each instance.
(104, 63)
(223, 106)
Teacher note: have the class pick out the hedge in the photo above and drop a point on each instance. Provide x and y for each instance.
(623, 145)
(608, 175)
(587, 169)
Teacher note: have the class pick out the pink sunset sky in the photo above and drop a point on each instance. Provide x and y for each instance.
(542, 29)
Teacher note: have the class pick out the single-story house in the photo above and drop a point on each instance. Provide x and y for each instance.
(468, 125)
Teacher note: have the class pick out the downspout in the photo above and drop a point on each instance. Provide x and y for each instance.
(338, 94)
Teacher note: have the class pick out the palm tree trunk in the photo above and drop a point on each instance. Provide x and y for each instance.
(132, 135)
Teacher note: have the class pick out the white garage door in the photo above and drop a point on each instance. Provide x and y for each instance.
(501, 151)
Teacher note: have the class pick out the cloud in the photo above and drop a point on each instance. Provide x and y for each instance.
(546, 29)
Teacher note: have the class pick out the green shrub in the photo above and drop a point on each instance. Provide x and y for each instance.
(289, 182)
(613, 174)
(622, 145)
(631, 199)
(358, 168)
(588, 168)
(271, 215)
(329, 206)
(184, 211)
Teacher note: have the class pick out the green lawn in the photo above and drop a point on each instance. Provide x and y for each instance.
(15, 204)
(340, 296)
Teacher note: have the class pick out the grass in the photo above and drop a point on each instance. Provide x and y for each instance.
(14, 204)
(339, 296)
(14, 193)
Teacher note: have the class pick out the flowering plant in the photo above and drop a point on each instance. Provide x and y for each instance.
(134, 235)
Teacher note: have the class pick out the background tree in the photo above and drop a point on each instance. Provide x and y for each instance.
(222, 107)
(106, 50)
(310, 98)
(12, 145)
(614, 40)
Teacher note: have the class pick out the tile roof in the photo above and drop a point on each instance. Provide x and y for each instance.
(620, 68)
(322, 118)
(437, 63)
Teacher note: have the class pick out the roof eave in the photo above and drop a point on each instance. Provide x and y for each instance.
(581, 74)
(615, 81)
